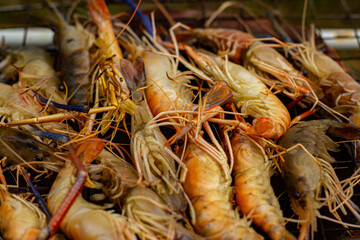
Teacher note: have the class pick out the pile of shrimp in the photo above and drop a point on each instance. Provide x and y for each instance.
(184, 133)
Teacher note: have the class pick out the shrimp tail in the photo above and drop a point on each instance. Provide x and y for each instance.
(98, 10)
(268, 128)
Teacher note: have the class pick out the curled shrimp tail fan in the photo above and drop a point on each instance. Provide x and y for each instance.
(268, 128)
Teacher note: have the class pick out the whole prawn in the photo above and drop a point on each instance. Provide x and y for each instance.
(254, 194)
(257, 57)
(306, 170)
(37, 71)
(210, 193)
(73, 43)
(250, 94)
(154, 163)
(339, 90)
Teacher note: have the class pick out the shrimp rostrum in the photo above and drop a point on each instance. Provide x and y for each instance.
(306, 170)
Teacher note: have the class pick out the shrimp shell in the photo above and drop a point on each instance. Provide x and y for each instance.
(306, 173)
(73, 43)
(211, 195)
(163, 93)
(254, 194)
(19, 219)
(84, 220)
(250, 94)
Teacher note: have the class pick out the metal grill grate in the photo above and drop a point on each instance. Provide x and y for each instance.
(324, 14)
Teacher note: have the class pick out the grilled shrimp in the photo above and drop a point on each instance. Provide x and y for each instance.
(250, 94)
(257, 57)
(86, 220)
(141, 204)
(211, 195)
(37, 71)
(306, 170)
(73, 43)
(339, 90)
(254, 194)
(19, 219)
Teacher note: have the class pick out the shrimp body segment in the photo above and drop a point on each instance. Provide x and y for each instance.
(74, 43)
(250, 94)
(163, 93)
(86, 220)
(256, 55)
(210, 194)
(254, 194)
(339, 90)
(19, 219)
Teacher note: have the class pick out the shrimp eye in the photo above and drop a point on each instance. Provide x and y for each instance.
(304, 72)
(61, 88)
(38, 158)
(297, 195)
(53, 144)
(180, 142)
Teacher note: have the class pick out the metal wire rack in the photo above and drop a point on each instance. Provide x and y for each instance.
(344, 14)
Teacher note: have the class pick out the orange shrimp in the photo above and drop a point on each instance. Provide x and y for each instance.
(211, 196)
(19, 219)
(107, 71)
(257, 57)
(250, 94)
(254, 194)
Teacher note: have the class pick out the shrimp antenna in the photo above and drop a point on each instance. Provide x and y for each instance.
(144, 18)
(37, 195)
